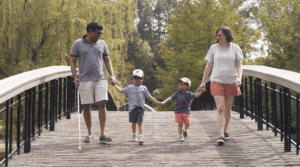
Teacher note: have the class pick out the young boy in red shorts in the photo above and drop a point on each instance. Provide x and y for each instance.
(183, 108)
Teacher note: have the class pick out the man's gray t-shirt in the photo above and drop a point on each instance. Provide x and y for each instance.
(224, 62)
(90, 57)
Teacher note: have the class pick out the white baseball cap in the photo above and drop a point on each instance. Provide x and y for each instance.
(185, 80)
(138, 72)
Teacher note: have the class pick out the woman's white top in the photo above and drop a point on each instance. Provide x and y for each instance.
(224, 62)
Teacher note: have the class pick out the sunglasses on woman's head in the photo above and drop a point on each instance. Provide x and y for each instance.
(137, 78)
(182, 83)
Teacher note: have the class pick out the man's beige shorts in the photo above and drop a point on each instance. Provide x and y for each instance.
(93, 91)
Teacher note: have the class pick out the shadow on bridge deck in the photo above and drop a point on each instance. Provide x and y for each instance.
(247, 147)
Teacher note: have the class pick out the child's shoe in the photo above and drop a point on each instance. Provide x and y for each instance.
(134, 138)
(181, 138)
(141, 139)
(184, 133)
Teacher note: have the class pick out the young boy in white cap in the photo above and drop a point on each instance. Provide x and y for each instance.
(183, 108)
(136, 100)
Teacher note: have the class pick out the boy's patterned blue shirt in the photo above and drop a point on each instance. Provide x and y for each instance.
(136, 96)
(183, 101)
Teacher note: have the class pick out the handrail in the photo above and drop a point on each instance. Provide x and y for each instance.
(288, 79)
(12, 86)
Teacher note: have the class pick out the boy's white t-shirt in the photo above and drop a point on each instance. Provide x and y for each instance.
(224, 62)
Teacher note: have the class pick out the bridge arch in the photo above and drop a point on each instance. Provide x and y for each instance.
(270, 96)
(35, 100)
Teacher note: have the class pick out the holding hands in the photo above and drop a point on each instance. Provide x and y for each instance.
(112, 80)
(202, 87)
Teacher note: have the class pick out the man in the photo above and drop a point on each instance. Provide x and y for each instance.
(91, 53)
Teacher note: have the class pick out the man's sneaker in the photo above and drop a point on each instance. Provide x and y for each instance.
(184, 133)
(105, 138)
(181, 138)
(141, 139)
(221, 141)
(134, 138)
(88, 139)
(226, 136)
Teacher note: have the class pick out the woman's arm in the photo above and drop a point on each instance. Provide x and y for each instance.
(239, 71)
(207, 70)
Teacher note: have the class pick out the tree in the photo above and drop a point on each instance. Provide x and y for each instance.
(40, 33)
(279, 21)
(191, 31)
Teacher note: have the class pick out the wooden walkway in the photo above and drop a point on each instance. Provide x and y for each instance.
(247, 147)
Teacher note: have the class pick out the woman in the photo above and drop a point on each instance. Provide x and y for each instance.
(225, 58)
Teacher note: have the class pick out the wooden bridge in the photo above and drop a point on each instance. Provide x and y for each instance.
(247, 146)
(264, 128)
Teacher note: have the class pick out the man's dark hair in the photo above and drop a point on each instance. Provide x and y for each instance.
(226, 31)
(93, 25)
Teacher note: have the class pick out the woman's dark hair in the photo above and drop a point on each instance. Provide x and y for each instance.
(93, 26)
(226, 31)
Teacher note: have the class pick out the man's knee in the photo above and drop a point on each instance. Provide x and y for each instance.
(139, 124)
(101, 104)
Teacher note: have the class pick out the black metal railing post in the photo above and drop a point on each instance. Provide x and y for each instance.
(19, 123)
(33, 114)
(241, 104)
(28, 107)
(286, 119)
(259, 105)
(251, 96)
(65, 97)
(69, 97)
(55, 101)
(40, 106)
(46, 104)
(11, 125)
(246, 96)
(255, 101)
(290, 120)
(281, 114)
(6, 132)
(60, 98)
(52, 92)
(275, 110)
(297, 124)
(267, 106)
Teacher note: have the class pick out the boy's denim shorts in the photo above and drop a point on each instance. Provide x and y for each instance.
(136, 115)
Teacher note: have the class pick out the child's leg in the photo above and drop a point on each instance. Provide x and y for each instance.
(180, 124)
(186, 120)
(186, 126)
(140, 125)
(133, 126)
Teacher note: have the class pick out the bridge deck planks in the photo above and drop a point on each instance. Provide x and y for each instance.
(247, 147)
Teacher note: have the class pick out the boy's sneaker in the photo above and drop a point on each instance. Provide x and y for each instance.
(134, 138)
(88, 139)
(184, 133)
(226, 136)
(221, 141)
(181, 138)
(141, 139)
(105, 138)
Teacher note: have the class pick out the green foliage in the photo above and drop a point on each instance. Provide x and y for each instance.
(140, 55)
(279, 21)
(191, 31)
(40, 33)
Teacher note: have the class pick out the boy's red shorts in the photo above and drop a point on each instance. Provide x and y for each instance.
(182, 117)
